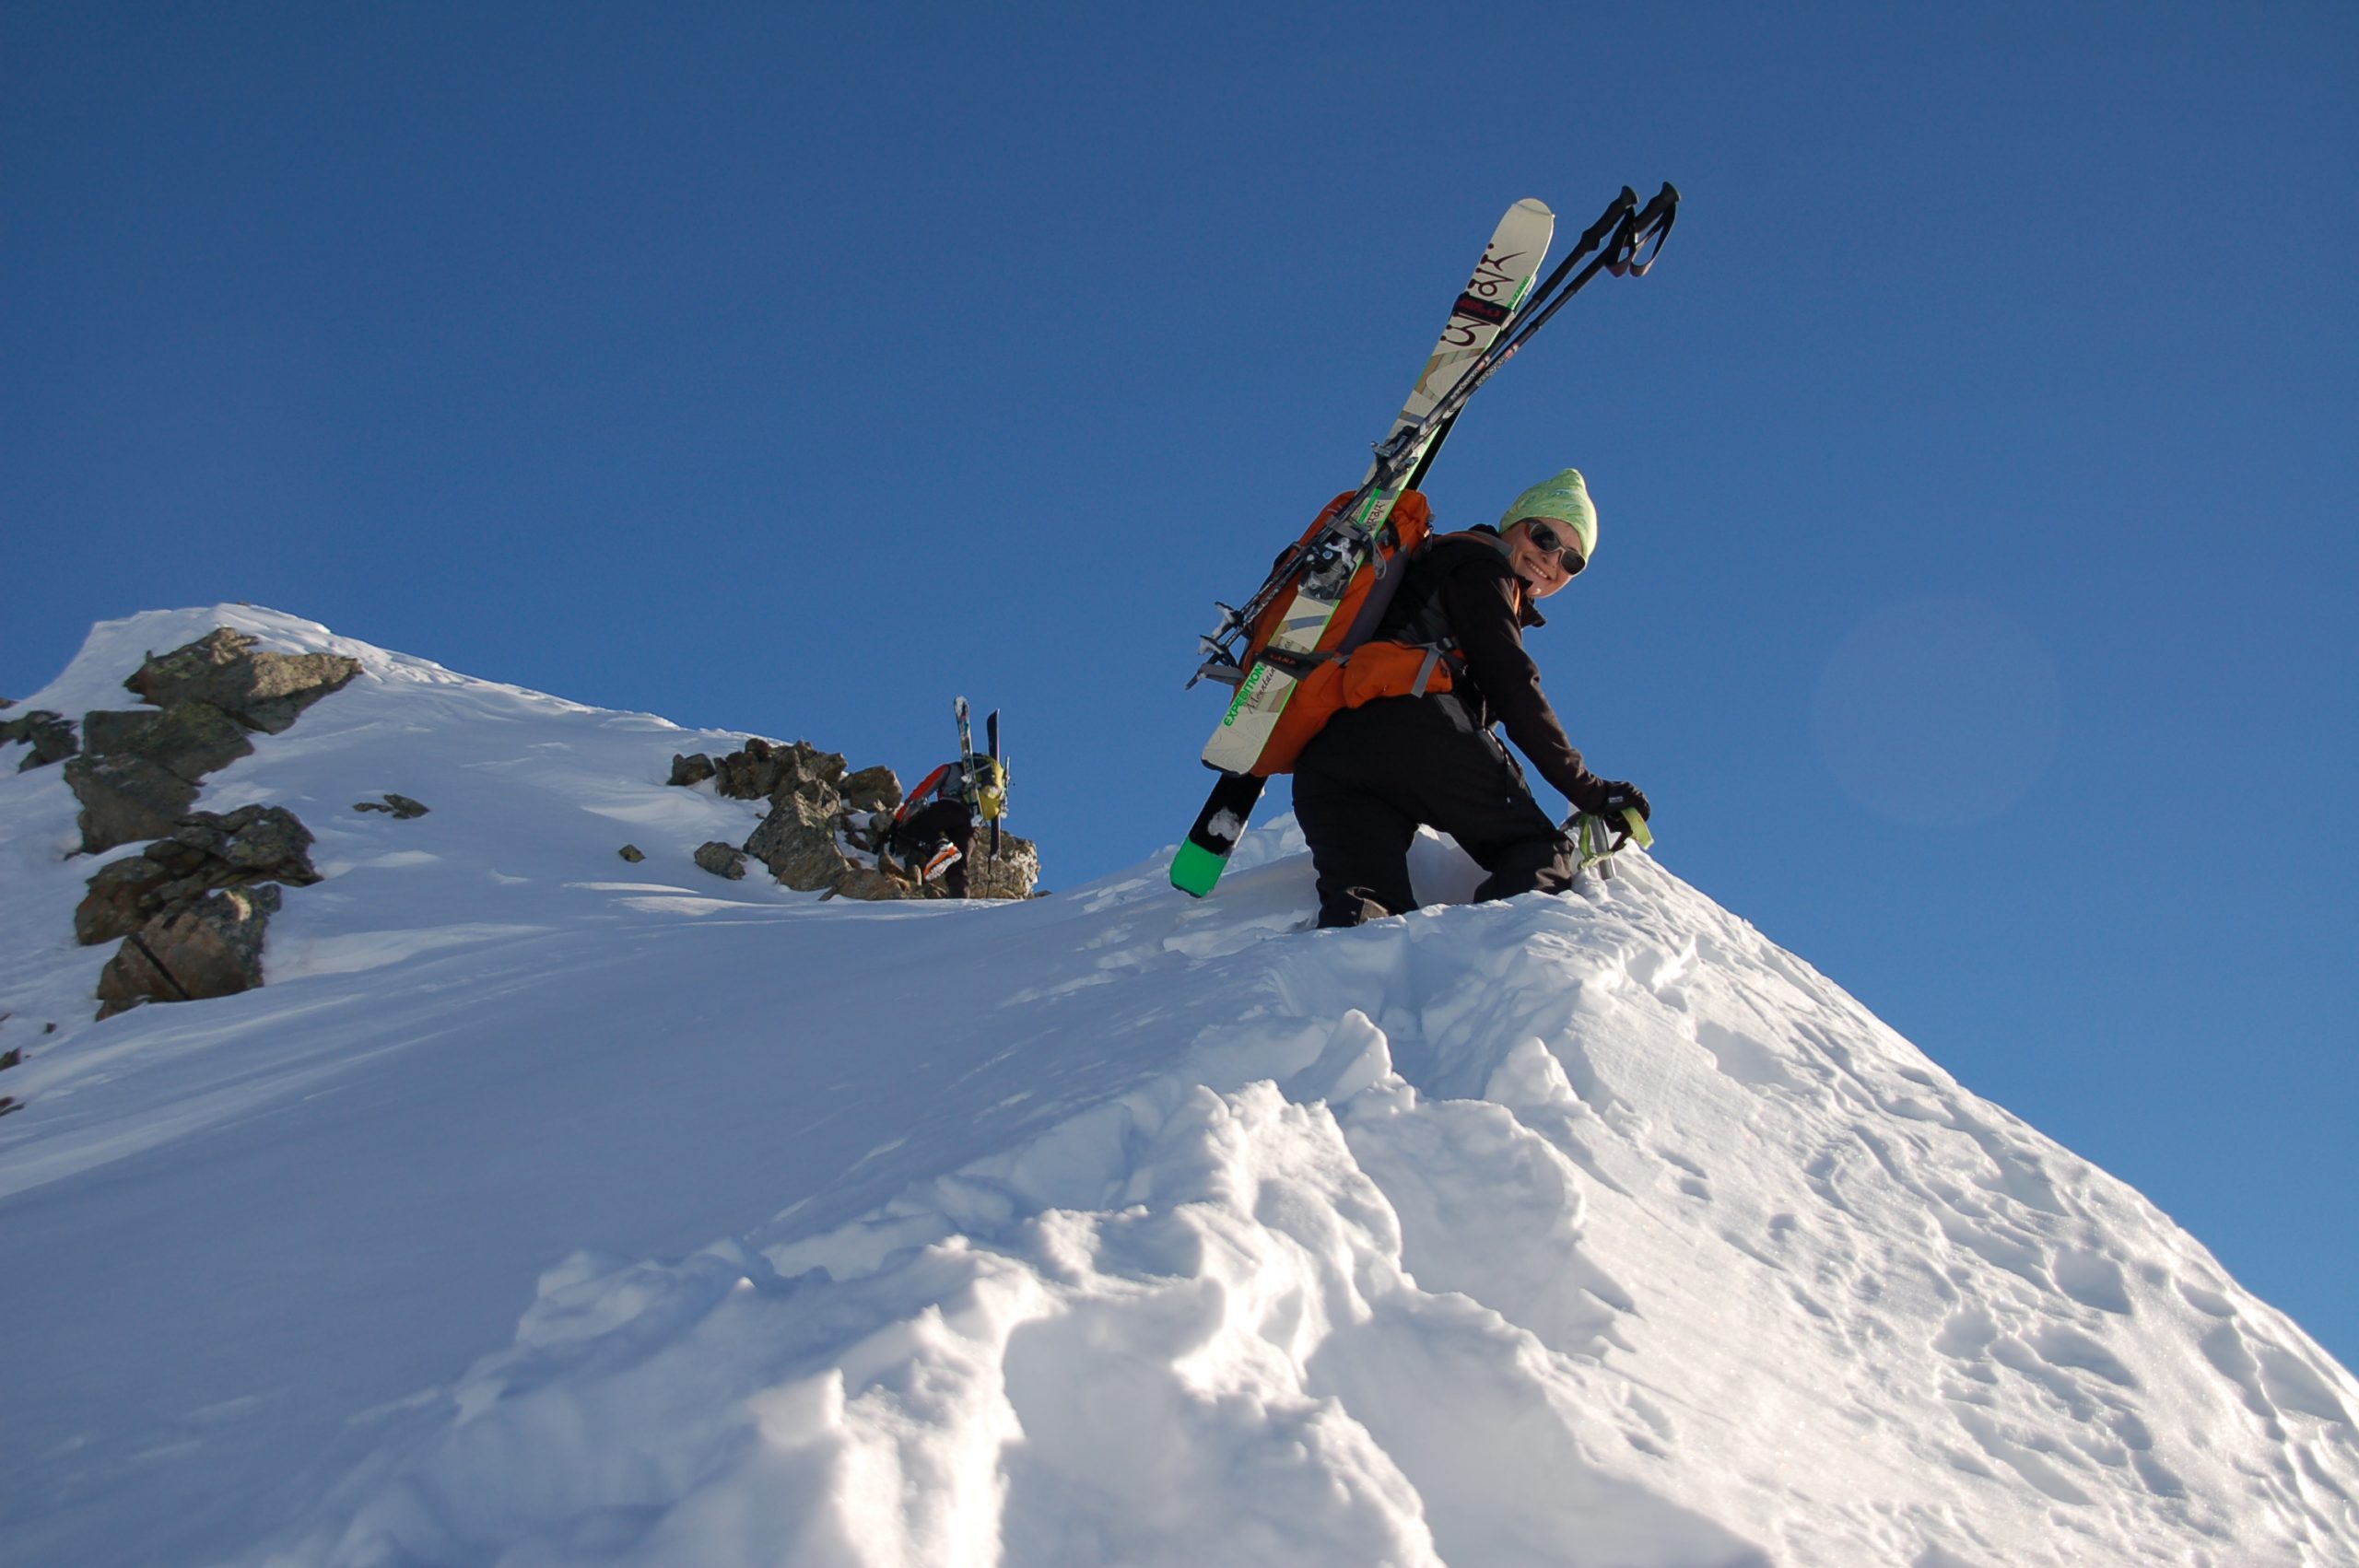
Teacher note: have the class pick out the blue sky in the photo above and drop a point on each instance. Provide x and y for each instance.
(1976, 470)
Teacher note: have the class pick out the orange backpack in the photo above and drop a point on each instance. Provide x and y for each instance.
(1348, 668)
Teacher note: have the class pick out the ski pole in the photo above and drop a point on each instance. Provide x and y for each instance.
(1611, 244)
(1616, 235)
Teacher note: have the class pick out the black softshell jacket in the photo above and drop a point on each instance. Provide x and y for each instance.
(1462, 590)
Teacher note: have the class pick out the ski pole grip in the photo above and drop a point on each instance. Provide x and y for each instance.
(1619, 208)
(1653, 224)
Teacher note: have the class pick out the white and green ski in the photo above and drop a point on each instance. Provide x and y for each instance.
(1501, 283)
(1509, 264)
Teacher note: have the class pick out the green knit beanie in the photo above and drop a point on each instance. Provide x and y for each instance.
(1563, 500)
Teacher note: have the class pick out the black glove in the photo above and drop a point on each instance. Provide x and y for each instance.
(1610, 801)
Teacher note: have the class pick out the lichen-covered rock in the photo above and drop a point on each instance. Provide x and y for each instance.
(763, 771)
(872, 790)
(721, 860)
(1012, 873)
(211, 948)
(797, 842)
(204, 851)
(875, 886)
(51, 736)
(262, 691)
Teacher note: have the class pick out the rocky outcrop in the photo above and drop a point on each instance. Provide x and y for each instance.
(1014, 872)
(403, 808)
(797, 842)
(632, 853)
(210, 948)
(203, 853)
(51, 736)
(872, 790)
(125, 799)
(191, 908)
(721, 860)
(140, 772)
(260, 691)
(765, 771)
(810, 793)
(13, 1057)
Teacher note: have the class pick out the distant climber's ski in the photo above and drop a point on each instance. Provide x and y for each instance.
(999, 776)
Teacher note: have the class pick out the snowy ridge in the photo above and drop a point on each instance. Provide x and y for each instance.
(1107, 1228)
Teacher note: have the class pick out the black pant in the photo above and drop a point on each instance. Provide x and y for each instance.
(1369, 779)
(928, 829)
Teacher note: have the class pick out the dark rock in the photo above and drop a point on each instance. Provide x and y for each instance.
(632, 853)
(264, 841)
(204, 852)
(125, 799)
(113, 906)
(139, 771)
(262, 691)
(189, 739)
(212, 948)
(872, 790)
(692, 769)
(403, 808)
(50, 735)
(111, 730)
(721, 860)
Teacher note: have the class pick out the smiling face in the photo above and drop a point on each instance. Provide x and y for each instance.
(1541, 566)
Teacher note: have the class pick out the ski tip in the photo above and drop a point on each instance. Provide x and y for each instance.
(1194, 870)
(1535, 206)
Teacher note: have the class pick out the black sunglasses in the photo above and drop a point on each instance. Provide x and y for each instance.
(1544, 537)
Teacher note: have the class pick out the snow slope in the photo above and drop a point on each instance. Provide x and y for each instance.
(546, 1210)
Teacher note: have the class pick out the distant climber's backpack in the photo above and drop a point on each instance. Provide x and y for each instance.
(1349, 667)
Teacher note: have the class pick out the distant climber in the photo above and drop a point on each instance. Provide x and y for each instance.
(1375, 773)
(930, 838)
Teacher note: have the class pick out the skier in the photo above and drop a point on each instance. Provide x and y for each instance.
(931, 833)
(1373, 774)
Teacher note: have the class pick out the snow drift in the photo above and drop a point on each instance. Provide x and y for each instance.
(544, 1209)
